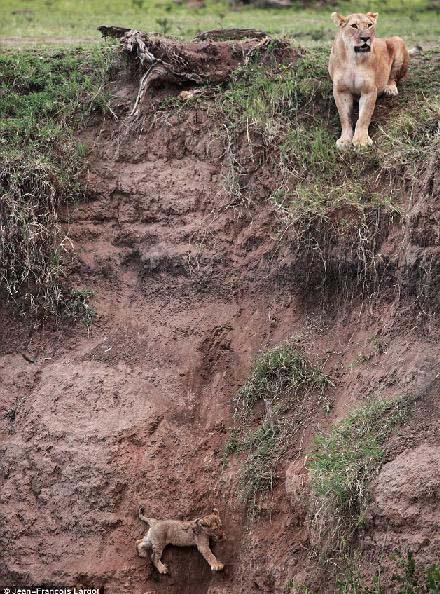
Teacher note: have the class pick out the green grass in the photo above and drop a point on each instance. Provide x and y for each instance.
(267, 97)
(45, 97)
(77, 306)
(75, 21)
(277, 372)
(264, 422)
(342, 464)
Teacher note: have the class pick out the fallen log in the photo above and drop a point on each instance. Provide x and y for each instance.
(228, 34)
(209, 58)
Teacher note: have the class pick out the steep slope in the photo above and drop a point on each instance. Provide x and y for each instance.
(190, 284)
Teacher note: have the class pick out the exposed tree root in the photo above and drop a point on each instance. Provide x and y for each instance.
(209, 58)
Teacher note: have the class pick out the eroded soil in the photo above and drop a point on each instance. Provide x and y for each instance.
(188, 288)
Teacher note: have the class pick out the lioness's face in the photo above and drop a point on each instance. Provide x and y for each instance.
(212, 525)
(358, 30)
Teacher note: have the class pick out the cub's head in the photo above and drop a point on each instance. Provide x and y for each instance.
(357, 30)
(211, 525)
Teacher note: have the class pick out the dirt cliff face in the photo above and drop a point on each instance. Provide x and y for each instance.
(188, 288)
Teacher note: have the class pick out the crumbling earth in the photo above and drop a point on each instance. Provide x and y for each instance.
(189, 286)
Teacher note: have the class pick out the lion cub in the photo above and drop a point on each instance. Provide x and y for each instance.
(364, 66)
(182, 534)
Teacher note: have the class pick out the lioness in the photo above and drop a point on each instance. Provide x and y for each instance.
(362, 65)
(183, 534)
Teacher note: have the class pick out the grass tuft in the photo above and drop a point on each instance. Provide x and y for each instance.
(282, 369)
(409, 577)
(343, 463)
(77, 306)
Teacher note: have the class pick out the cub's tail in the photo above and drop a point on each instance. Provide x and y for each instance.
(141, 514)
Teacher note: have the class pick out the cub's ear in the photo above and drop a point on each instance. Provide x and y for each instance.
(373, 16)
(201, 522)
(338, 19)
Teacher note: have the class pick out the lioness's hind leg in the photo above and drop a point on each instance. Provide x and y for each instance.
(399, 67)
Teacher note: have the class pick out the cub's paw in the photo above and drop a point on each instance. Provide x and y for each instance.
(217, 566)
(391, 90)
(163, 569)
(362, 141)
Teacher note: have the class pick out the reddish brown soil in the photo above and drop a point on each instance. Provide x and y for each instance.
(188, 288)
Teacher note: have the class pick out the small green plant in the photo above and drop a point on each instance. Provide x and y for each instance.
(293, 587)
(342, 464)
(432, 579)
(353, 583)
(362, 358)
(257, 474)
(77, 306)
(231, 446)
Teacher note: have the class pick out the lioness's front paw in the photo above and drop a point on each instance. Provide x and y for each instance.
(343, 143)
(362, 140)
(217, 566)
(390, 90)
(163, 569)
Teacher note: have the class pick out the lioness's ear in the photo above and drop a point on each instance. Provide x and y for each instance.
(373, 16)
(338, 19)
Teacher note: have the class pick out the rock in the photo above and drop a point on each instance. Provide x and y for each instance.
(406, 499)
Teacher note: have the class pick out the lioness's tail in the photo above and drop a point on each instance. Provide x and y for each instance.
(149, 521)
